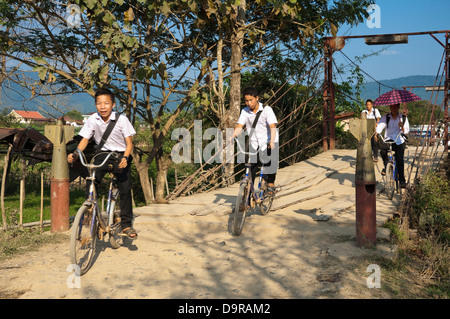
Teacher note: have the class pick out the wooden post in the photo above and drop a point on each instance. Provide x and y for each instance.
(42, 201)
(5, 171)
(22, 188)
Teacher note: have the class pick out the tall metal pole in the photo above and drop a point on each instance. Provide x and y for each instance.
(446, 88)
(330, 45)
(326, 97)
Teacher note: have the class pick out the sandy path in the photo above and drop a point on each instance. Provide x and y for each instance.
(286, 254)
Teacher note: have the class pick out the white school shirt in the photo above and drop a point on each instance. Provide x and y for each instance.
(95, 126)
(261, 135)
(375, 114)
(393, 129)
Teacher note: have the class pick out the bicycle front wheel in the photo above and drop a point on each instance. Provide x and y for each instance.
(83, 238)
(240, 210)
(390, 181)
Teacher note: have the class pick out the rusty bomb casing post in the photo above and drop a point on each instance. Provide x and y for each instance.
(59, 135)
(365, 183)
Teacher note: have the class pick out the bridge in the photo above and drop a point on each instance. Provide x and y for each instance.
(304, 248)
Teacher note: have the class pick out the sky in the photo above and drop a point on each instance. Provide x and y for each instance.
(421, 56)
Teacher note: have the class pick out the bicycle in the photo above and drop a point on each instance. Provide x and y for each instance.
(248, 197)
(90, 224)
(392, 182)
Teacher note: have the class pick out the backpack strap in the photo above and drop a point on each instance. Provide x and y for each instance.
(106, 134)
(388, 118)
(255, 121)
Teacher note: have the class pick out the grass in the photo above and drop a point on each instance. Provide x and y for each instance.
(422, 269)
(19, 240)
(32, 204)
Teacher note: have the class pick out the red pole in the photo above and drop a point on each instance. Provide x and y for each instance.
(446, 88)
(59, 189)
(326, 98)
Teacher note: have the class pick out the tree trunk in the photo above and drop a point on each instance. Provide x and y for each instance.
(237, 40)
(142, 170)
(162, 166)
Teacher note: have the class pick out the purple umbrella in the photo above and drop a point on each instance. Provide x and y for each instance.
(396, 97)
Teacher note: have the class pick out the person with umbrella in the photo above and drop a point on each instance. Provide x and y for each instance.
(395, 123)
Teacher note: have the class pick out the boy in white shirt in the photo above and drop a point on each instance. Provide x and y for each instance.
(264, 137)
(395, 123)
(372, 113)
(120, 141)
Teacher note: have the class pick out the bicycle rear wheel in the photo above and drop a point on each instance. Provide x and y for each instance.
(83, 238)
(266, 202)
(390, 181)
(240, 210)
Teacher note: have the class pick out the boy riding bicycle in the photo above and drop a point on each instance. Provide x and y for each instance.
(120, 141)
(264, 136)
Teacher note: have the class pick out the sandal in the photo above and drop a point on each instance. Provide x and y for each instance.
(129, 232)
(270, 191)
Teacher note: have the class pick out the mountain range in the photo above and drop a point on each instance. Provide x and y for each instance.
(372, 90)
(17, 97)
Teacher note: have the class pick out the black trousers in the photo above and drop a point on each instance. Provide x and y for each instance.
(375, 147)
(255, 167)
(399, 154)
(124, 184)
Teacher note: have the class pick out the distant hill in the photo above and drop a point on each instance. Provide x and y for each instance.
(372, 90)
(17, 97)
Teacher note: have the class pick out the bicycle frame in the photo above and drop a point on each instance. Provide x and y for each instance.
(92, 196)
(257, 196)
(392, 160)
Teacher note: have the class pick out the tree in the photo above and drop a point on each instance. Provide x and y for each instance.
(127, 46)
(155, 54)
(249, 34)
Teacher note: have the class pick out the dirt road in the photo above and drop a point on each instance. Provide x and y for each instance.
(297, 251)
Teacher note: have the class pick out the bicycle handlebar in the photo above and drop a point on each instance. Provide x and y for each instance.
(390, 141)
(92, 166)
(241, 150)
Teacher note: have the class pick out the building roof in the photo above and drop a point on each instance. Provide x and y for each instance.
(29, 114)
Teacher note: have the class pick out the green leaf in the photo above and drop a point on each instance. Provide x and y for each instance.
(90, 3)
(39, 60)
(108, 17)
(42, 72)
(94, 65)
(125, 56)
(103, 76)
